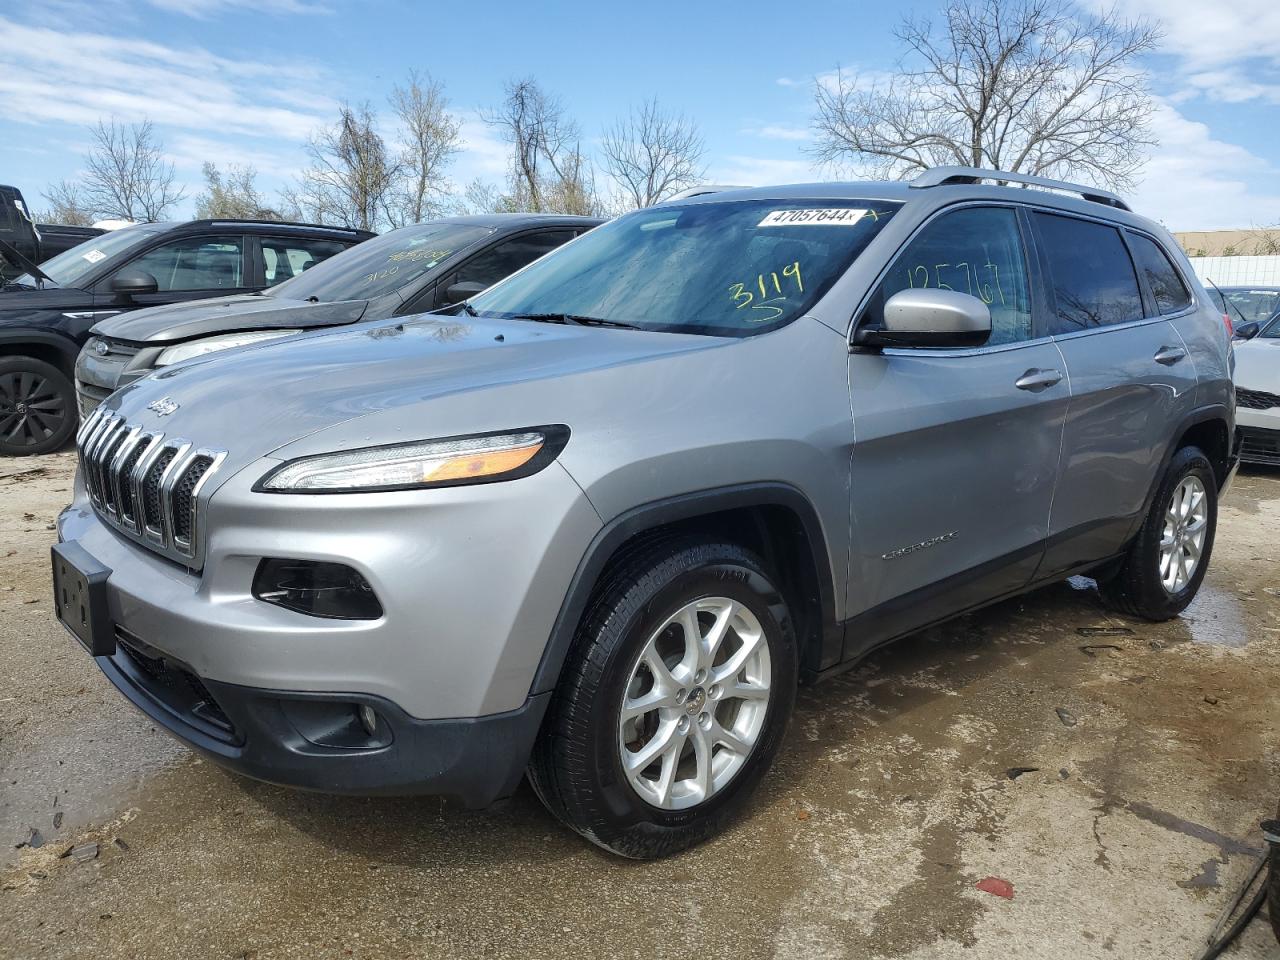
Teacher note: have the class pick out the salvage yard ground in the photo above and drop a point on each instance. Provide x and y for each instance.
(1109, 774)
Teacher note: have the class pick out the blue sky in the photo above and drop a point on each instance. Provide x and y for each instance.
(246, 80)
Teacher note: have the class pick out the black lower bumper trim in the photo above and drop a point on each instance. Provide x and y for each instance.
(474, 761)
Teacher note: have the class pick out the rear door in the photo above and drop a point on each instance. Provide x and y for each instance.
(956, 451)
(1132, 379)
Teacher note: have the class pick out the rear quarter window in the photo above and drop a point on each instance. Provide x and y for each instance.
(1092, 277)
(1170, 293)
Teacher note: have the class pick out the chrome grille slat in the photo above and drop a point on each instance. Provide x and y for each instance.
(146, 485)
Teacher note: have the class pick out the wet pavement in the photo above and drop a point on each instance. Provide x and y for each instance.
(1110, 772)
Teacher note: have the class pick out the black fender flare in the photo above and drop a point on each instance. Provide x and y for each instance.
(660, 513)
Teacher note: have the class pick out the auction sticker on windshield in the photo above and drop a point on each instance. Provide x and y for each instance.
(93, 256)
(823, 217)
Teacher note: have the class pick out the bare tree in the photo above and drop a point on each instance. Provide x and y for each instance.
(127, 176)
(430, 142)
(66, 205)
(351, 177)
(1032, 86)
(549, 172)
(651, 154)
(233, 196)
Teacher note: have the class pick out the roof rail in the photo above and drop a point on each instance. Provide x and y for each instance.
(702, 190)
(282, 224)
(940, 176)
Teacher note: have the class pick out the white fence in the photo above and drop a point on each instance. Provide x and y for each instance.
(1238, 271)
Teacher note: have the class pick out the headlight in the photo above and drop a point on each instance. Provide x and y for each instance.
(198, 348)
(451, 462)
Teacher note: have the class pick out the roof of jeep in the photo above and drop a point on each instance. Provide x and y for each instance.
(931, 196)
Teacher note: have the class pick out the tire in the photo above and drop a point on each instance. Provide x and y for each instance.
(1140, 588)
(1273, 893)
(577, 767)
(37, 407)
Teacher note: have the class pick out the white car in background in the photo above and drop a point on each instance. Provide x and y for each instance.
(1258, 390)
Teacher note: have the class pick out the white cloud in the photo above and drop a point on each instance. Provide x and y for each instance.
(779, 132)
(207, 9)
(79, 78)
(1194, 182)
(1207, 36)
(760, 171)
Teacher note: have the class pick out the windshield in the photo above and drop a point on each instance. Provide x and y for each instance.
(68, 268)
(382, 264)
(727, 268)
(1252, 303)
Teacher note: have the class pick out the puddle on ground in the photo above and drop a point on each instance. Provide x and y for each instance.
(1214, 618)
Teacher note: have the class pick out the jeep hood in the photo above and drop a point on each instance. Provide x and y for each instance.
(387, 381)
(1258, 364)
(175, 322)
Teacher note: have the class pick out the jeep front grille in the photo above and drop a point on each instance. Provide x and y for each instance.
(145, 484)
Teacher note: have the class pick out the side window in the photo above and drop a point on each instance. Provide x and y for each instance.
(978, 251)
(1166, 286)
(1094, 284)
(506, 258)
(195, 263)
(283, 258)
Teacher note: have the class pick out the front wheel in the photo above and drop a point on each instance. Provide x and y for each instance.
(37, 407)
(674, 702)
(1167, 561)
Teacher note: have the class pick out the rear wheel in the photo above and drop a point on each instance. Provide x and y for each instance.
(674, 703)
(37, 407)
(1167, 561)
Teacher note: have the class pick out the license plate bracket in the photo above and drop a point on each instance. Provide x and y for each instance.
(80, 597)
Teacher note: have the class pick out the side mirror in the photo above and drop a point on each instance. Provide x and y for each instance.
(132, 283)
(458, 292)
(1247, 331)
(930, 318)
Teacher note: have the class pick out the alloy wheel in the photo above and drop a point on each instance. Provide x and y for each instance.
(695, 703)
(31, 408)
(1186, 523)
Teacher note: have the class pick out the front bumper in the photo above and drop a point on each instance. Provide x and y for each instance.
(470, 579)
(100, 375)
(297, 739)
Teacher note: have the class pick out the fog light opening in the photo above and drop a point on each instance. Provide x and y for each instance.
(368, 719)
(316, 588)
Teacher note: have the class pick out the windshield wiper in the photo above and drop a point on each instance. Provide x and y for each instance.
(575, 320)
(1228, 303)
(469, 310)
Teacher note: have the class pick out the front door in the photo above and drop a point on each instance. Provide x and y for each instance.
(956, 451)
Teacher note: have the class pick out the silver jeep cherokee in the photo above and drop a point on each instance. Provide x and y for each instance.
(598, 523)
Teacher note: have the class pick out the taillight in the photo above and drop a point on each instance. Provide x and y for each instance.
(1231, 330)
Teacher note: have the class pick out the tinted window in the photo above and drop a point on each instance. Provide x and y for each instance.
(284, 258)
(727, 268)
(68, 268)
(195, 263)
(1166, 286)
(384, 263)
(977, 251)
(507, 257)
(1093, 280)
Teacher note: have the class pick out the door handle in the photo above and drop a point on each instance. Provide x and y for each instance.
(1169, 355)
(1036, 380)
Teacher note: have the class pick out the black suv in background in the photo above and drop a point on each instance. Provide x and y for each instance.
(46, 313)
(410, 270)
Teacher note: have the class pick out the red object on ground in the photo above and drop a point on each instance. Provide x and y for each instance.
(1001, 888)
